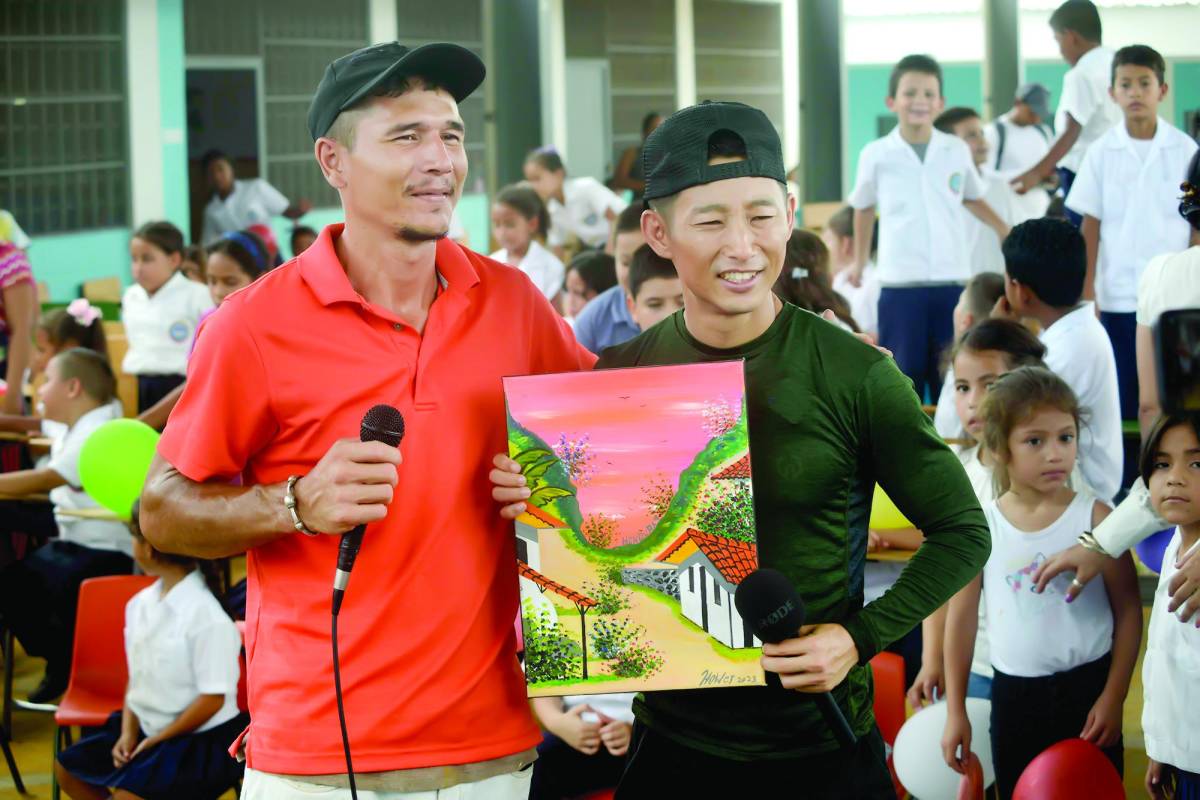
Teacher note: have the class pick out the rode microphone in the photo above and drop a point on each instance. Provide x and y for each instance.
(767, 600)
(381, 423)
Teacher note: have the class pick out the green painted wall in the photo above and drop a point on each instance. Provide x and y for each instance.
(866, 90)
(64, 261)
(1186, 88)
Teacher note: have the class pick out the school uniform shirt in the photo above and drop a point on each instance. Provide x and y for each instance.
(922, 239)
(541, 266)
(984, 484)
(583, 213)
(617, 707)
(1024, 145)
(64, 459)
(945, 418)
(605, 321)
(1034, 635)
(1172, 693)
(863, 299)
(1085, 99)
(983, 243)
(250, 203)
(1135, 195)
(1078, 350)
(160, 327)
(179, 646)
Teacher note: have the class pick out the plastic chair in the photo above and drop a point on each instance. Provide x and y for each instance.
(98, 670)
(888, 672)
(1069, 769)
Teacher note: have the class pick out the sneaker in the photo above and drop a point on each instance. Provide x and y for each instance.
(50, 688)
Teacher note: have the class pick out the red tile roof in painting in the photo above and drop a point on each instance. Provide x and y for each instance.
(580, 600)
(740, 469)
(544, 516)
(733, 558)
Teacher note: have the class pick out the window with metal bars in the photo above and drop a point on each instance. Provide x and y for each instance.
(64, 138)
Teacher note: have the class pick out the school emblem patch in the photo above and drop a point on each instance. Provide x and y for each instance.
(956, 180)
(179, 331)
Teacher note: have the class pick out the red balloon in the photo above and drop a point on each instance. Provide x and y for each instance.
(1071, 769)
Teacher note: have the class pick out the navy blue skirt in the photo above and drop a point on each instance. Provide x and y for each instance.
(197, 765)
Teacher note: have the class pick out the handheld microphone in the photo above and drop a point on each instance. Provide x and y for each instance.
(381, 423)
(767, 600)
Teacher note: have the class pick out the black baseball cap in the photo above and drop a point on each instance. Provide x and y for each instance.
(675, 156)
(354, 76)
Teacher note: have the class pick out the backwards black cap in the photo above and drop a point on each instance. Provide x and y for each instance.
(675, 156)
(356, 75)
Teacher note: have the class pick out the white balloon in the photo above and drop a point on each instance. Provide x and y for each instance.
(917, 753)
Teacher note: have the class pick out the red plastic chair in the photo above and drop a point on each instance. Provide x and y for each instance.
(1071, 769)
(890, 713)
(98, 670)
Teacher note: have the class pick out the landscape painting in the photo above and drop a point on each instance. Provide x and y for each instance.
(639, 528)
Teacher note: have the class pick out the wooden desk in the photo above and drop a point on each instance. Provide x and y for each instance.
(28, 498)
(895, 556)
(89, 513)
(13, 436)
(41, 441)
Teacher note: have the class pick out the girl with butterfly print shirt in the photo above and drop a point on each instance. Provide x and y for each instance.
(1061, 671)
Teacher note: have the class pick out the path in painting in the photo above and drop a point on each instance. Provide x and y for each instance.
(685, 645)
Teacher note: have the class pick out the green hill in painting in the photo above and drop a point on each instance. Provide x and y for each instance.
(520, 439)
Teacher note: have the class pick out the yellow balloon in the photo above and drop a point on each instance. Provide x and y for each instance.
(884, 514)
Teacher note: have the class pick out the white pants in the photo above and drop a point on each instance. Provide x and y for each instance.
(264, 786)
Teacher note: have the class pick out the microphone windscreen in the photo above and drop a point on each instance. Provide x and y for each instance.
(768, 601)
(382, 423)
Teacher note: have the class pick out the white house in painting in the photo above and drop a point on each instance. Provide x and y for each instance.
(533, 522)
(738, 473)
(710, 568)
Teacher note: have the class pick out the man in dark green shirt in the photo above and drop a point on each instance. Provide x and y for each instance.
(829, 416)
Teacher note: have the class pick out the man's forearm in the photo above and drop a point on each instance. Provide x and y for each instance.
(209, 520)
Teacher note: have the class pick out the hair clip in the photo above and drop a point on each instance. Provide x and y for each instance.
(799, 273)
(83, 312)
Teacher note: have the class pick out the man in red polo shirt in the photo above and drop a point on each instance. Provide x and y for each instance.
(382, 309)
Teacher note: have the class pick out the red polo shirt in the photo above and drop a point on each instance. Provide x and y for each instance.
(283, 369)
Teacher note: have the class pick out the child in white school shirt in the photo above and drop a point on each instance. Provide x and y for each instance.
(982, 242)
(161, 311)
(519, 219)
(1126, 190)
(582, 208)
(78, 393)
(181, 711)
(1085, 110)
(919, 178)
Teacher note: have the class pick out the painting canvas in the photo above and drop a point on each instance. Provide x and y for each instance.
(639, 528)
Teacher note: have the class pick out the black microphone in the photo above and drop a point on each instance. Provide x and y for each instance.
(381, 423)
(767, 600)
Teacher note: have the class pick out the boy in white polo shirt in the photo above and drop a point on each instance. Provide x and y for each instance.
(1125, 191)
(1085, 110)
(236, 205)
(919, 178)
(982, 243)
(1045, 263)
(582, 208)
(38, 594)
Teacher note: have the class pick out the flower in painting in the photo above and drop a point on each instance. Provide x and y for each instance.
(719, 417)
(576, 455)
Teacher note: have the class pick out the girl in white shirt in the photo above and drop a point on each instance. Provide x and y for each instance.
(1061, 671)
(580, 208)
(519, 220)
(1170, 466)
(160, 311)
(838, 236)
(982, 354)
(181, 702)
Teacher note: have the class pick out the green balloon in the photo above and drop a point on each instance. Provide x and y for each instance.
(114, 462)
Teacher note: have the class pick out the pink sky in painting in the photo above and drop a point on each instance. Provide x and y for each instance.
(640, 422)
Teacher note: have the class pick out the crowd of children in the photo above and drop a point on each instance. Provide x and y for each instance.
(1025, 320)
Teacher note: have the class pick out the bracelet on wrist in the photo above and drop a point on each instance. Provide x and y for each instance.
(289, 502)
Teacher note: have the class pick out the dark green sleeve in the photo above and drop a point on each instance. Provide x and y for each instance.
(928, 484)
